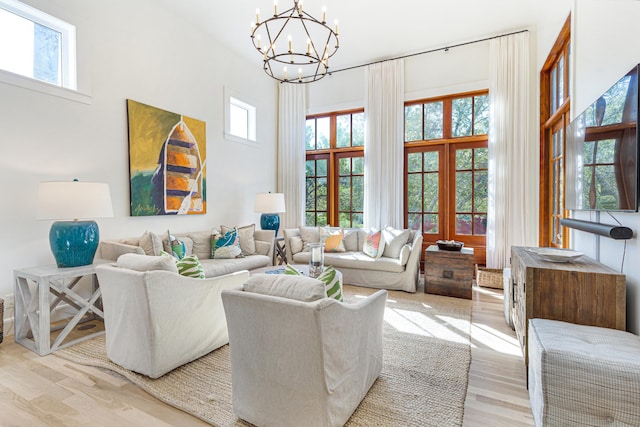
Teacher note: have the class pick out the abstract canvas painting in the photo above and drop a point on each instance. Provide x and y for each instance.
(167, 157)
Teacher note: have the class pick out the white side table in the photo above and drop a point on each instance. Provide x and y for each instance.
(33, 306)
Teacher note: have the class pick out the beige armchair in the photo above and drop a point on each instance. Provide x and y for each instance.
(158, 320)
(300, 363)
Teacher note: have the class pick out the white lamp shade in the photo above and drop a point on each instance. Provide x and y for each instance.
(270, 203)
(65, 200)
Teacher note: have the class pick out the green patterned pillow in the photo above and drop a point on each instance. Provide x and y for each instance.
(329, 277)
(188, 266)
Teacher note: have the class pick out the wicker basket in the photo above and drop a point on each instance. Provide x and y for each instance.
(489, 277)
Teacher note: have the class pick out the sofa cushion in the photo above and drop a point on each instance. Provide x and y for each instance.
(373, 244)
(298, 288)
(247, 242)
(147, 262)
(219, 267)
(328, 276)
(353, 260)
(393, 241)
(332, 239)
(226, 245)
(174, 246)
(151, 243)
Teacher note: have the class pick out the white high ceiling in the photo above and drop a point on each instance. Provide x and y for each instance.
(371, 30)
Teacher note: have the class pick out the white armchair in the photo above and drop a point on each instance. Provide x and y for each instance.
(158, 320)
(300, 363)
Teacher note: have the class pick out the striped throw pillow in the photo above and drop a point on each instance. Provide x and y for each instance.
(188, 266)
(329, 277)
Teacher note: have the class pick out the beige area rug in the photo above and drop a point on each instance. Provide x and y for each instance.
(423, 382)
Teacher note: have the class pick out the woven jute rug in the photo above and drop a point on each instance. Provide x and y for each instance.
(423, 381)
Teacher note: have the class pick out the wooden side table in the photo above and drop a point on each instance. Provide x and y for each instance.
(33, 307)
(448, 273)
(279, 251)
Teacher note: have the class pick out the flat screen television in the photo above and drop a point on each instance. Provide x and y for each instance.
(602, 151)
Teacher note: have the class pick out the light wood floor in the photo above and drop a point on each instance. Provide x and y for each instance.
(48, 391)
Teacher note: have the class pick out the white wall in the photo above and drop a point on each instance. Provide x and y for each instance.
(605, 47)
(128, 50)
(460, 69)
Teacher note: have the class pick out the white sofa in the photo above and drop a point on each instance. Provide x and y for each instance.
(199, 243)
(297, 357)
(155, 319)
(399, 273)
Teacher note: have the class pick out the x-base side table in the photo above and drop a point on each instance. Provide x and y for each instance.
(33, 306)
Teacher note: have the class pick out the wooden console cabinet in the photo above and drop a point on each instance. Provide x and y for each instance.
(582, 291)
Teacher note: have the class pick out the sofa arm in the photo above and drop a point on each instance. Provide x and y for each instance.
(264, 236)
(112, 250)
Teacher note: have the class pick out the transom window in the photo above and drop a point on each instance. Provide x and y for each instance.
(37, 45)
(447, 118)
(335, 169)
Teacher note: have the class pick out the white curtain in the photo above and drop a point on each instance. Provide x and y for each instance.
(513, 201)
(383, 145)
(291, 153)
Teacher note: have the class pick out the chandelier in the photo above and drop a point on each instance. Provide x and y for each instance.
(295, 46)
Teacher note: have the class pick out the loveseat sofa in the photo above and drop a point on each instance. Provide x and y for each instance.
(257, 249)
(397, 268)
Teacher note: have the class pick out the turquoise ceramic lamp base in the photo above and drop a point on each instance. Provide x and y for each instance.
(270, 222)
(74, 243)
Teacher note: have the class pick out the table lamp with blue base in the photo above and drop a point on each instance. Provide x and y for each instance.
(74, 242)
(270, 205)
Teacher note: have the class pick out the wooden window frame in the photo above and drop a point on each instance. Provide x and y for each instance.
(549, 120)
(334, 153)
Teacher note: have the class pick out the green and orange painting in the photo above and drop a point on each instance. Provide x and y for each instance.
(167, 157)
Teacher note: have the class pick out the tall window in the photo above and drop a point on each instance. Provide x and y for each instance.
(37, 45)
(446, 164)
(554, 119)
(335, 169)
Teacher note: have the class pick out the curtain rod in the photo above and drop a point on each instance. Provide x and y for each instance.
(446, 48)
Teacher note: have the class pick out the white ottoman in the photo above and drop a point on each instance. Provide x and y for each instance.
(583, 375)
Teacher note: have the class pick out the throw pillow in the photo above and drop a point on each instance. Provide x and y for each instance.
(175, 246)
(329, 277)
(373, 244)
(151, 243)
(394, 240)
(333, 240)
(188, 266)
(247, 241)
(309, 235)
(226, 245)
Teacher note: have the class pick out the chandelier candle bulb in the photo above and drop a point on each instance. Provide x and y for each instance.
(308, 46)
(257, 16)
(299, 73)
(275, 7)
(290, 43)
(324, 14)
(258, 41)
(285, 72)
(336, 24)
